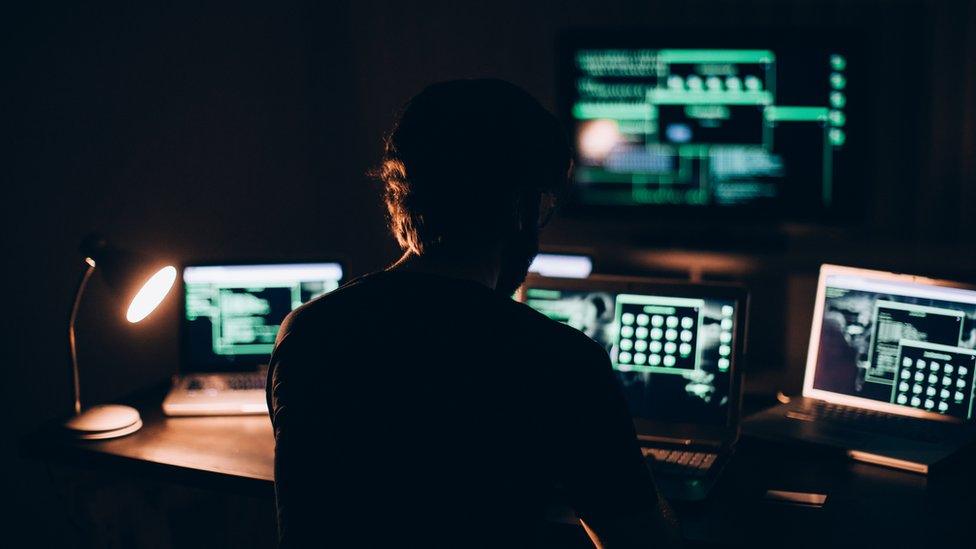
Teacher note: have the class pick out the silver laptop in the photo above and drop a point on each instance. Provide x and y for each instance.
(231, 315)
(675, 348)
(889, 374)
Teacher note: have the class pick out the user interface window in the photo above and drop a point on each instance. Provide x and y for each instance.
(709, 127)
(906, 344)
(672, 354)
(232, 313)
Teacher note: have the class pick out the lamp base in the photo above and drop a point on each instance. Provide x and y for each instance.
(104, 421)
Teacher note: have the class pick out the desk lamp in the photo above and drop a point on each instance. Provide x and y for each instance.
(140, 285)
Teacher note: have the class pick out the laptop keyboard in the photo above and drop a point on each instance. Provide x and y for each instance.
(246, 383)
(877, 422)
(679, 462)
(236, 382)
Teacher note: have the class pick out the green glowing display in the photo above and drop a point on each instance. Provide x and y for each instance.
(837, 118)
(934, 377)
(837, 137)
(697, 126)
(665, 328)
(240, 316)
(745, 97)
(838, 81)
(647, 333)
(543, 294)
(716, 56)
(838, 99)
(795, 114)
(707, 112)
(617, 111)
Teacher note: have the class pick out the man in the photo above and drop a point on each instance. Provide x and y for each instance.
(421, 405)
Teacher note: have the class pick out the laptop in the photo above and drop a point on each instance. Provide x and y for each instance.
(676, 349)
(231, 315)
(889, 374)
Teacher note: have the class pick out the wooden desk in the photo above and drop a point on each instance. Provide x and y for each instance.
(866, 505)
(226, 453)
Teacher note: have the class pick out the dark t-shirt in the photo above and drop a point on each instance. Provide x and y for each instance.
(413, 409)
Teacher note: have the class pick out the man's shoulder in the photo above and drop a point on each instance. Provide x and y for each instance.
(328, 309)
(313, 315)
(570, 340)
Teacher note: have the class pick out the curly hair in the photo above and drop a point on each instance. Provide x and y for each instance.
(460, 158)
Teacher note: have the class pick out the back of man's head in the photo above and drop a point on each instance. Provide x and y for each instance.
(462, 161)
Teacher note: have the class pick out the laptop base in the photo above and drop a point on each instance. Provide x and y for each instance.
(217, 395)
(795, 422)
(684, 481)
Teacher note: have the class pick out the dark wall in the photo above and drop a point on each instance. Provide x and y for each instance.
(919, 184)
(215, 132)
(186, 131)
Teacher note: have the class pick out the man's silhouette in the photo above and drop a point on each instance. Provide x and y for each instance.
(421, 405)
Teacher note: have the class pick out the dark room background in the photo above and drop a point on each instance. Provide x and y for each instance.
(227, 130)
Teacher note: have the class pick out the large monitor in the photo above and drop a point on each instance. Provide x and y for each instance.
(232, 313)
(674, 346)
(722, 121)
(891, 342)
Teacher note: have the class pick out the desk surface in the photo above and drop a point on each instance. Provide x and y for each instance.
(233, 452)
(865, 504)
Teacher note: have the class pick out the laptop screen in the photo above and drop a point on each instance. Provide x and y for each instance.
(889, 339)
(232, 313)
(562, 265)
(672, 354)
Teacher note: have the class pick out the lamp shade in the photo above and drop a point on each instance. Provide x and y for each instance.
(139, 283)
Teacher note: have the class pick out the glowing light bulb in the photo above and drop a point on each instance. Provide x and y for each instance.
(151, 294)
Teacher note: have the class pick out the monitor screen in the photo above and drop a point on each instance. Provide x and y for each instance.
(729, 122)
(673, 355)
(903, 343)
(232, 312)
(561, 265)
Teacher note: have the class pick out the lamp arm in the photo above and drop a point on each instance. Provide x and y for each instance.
(72, 346)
